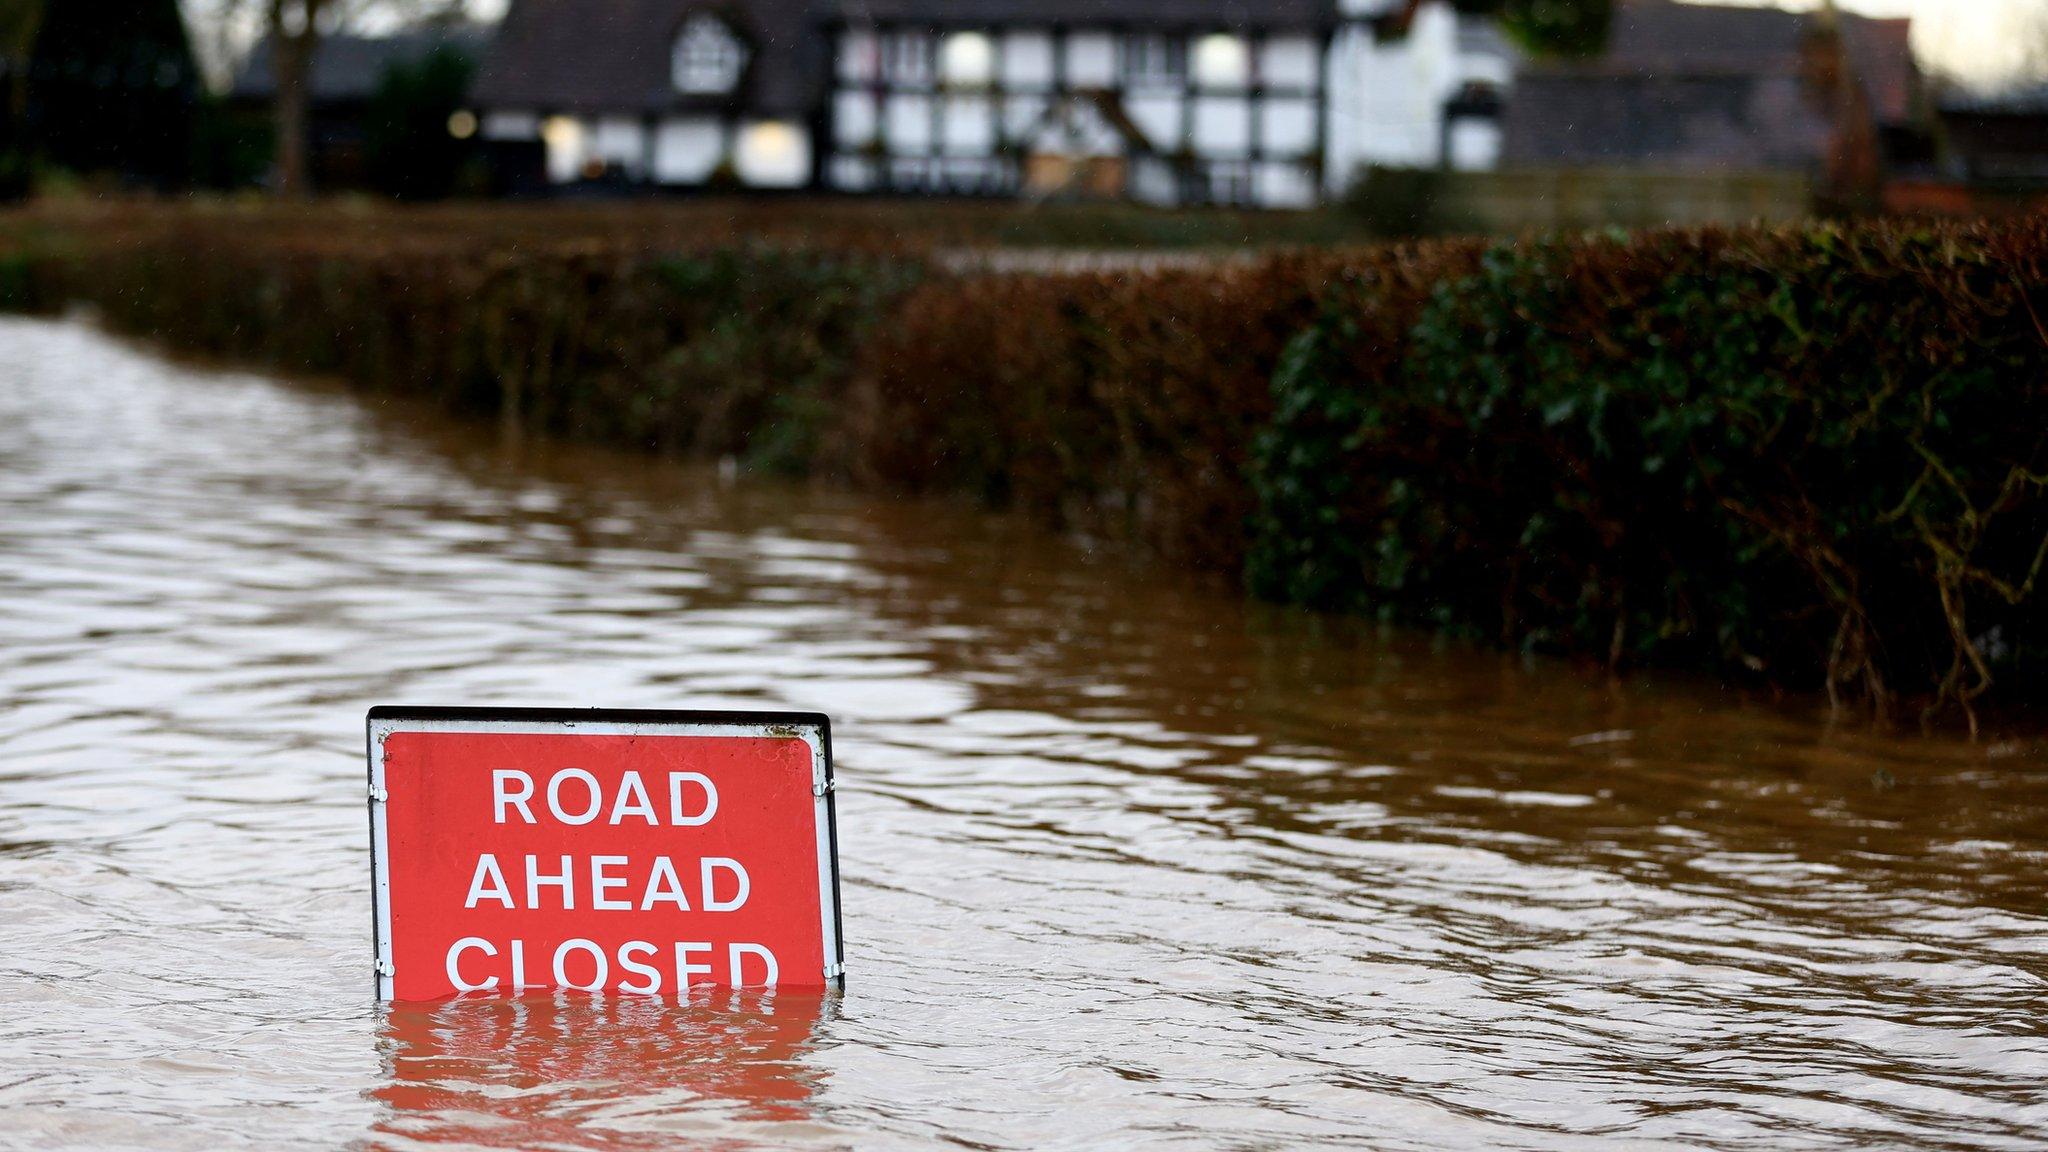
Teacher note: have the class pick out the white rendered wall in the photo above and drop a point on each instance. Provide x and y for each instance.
(1386, 101)
(1287, 125)
(1152, 181)
(1158, 116)
(855, 122)
(1279, 185)
(1289, 62)
(969, 126)
(1021, 115)
(1091, 60)
(908, 121)
(1223, 126)
(1027, 59)
(1475, 146)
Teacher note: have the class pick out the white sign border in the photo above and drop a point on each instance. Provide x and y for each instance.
(813, 728)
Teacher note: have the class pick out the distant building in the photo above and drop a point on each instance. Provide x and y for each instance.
(346, 74)
(1417, 85)
(1999, 140)
(672, 93)
(1702, 87)
(1170, 101)
(1251, 102)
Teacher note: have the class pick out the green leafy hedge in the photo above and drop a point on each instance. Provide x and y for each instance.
(1815, 455)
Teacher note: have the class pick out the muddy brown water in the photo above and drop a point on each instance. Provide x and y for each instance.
(1127, 862)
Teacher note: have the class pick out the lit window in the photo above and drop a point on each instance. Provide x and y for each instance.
(967, 60)
(1155, 60)
(1222, 61)
(773, 154)
(708, 58)
(563, 137)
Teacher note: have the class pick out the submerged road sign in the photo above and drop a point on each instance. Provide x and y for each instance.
(644, 852)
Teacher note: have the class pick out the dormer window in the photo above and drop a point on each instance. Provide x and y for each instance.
(708, 57)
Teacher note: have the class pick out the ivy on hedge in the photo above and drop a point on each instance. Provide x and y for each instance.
(1817, 456)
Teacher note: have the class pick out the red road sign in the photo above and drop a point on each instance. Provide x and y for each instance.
(644, 852)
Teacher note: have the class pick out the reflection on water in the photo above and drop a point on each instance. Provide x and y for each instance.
(564, 1070)
(1126, 862)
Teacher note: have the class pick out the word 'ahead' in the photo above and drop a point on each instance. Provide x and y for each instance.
(606, 851)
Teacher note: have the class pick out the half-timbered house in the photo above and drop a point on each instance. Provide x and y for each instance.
(1163, 101)
(1167, 101)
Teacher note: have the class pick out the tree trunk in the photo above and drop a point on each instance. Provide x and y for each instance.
(1854, 172)
(291, 60)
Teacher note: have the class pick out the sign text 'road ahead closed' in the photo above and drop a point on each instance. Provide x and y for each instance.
(635, 852)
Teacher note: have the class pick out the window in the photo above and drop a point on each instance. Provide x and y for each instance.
(967, 60)
(860, 57)
(773, 154)
(907, 59)
(1230, 184)
(1155, 60)
(1222, 61)
(563, 137)
(708, 58)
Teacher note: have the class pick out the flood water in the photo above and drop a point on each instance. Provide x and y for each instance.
(1127, 863)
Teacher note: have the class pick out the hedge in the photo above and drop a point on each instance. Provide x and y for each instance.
(729, 349)
(1120, 405)
(1816, 456)
(1810, 456)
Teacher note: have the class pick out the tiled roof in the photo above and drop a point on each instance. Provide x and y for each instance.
(1662, 36)
(1671, 120)
(613, 55)
(1699, 85)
